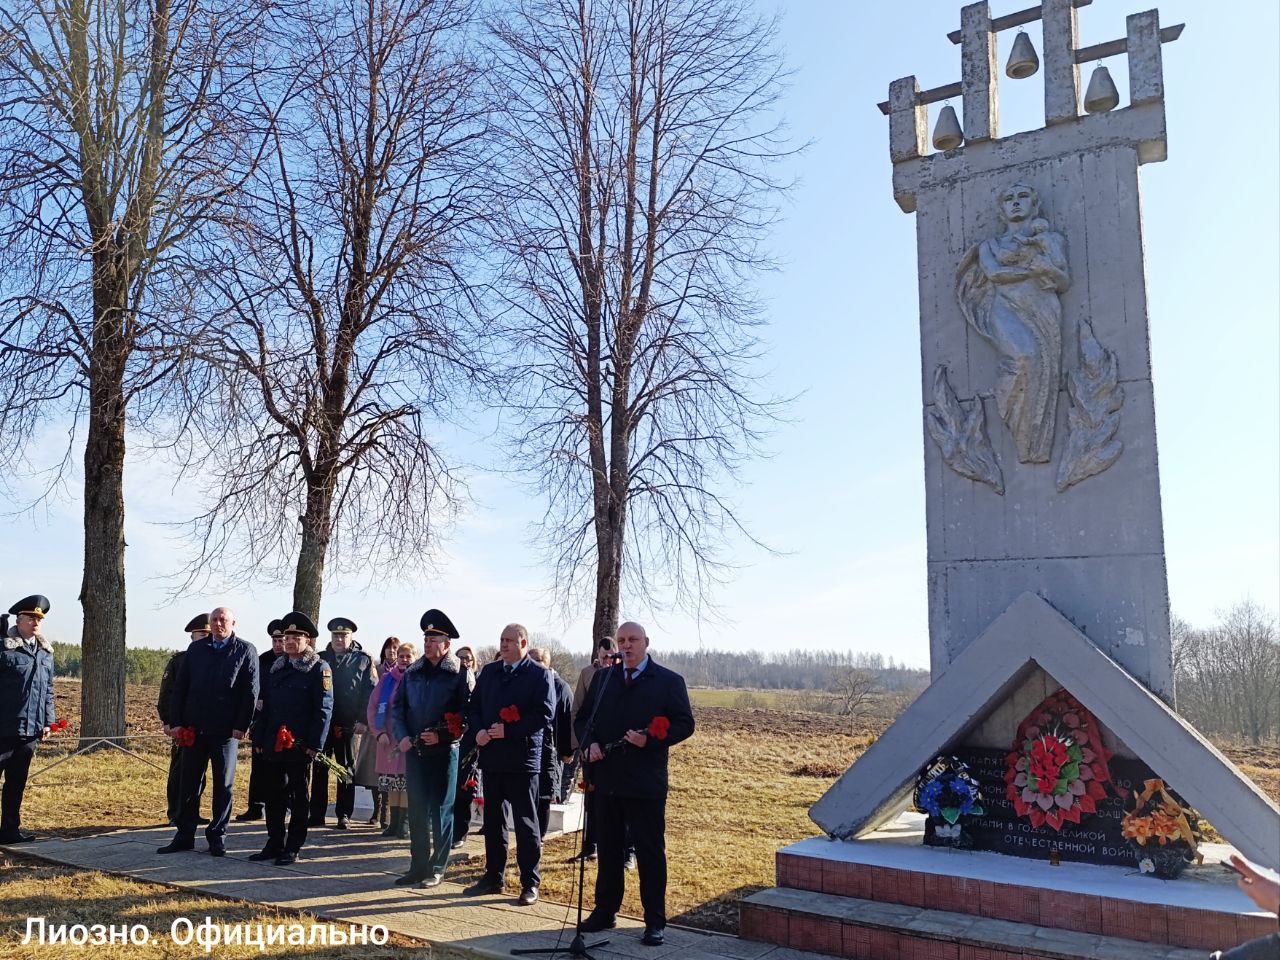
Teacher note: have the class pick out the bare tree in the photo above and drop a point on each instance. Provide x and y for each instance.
(345, 327)
(637, 184)
(121, 142)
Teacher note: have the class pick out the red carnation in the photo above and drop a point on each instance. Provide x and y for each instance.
(337, 733)
(658, 728)
(186, 736)
(284, 739)
(509, 714)
(470, 784)
(58, 725)
(453, 722)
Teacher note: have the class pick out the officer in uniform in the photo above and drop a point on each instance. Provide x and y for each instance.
(26, 706)
(433, 686)
(353, 681)
(292, 723)
(265, 662)
(197, 630)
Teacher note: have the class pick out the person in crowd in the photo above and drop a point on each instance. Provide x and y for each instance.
(293, 720)
(214, 694)
(643, 711)
(197, 630)
(367, 772)
(427, 716)
(26, 706)
(1265, 892)
(353, 680)
(604, 657)
(266, 660)
(469, 766)
(557, 740)
(511, 707)
(389, 761)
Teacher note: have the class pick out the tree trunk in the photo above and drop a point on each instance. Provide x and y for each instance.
(102, 592)
(308, 581)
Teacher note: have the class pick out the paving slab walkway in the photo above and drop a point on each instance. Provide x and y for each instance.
(346, 876)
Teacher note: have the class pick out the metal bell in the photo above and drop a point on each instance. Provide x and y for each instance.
(946, 132)
(1101, 95)
(1023, 61)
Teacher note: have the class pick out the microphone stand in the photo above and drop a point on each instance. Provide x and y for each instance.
(579, 947)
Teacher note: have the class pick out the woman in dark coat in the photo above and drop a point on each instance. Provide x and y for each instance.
(297, 705)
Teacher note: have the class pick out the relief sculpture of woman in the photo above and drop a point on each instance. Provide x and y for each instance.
(1008, 290)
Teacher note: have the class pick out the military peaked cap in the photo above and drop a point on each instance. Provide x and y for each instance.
(34, 605)
(274, 627)
(435, 622)
(341, 625)
(296, 622)
(199, 622)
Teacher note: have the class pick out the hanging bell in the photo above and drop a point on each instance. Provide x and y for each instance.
(1101, 95)
(946, 132)
(1023, 61)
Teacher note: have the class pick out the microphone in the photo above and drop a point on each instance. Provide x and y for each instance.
(615, 657)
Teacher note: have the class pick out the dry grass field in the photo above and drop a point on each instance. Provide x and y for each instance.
(741, 788)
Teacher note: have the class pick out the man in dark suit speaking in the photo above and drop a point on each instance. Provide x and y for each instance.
(643, 712)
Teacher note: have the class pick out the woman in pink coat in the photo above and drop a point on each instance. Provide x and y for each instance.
(390, 761)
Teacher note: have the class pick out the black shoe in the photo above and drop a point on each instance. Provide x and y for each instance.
(16, 836)
(316, 822)
(267, 854)
(217, 850)
(202, 821)
(411, 878)
(528, 897)
(286, 858)
(177, 846)
(596, 922)
(587, 855)
(630, 862)
(343, 823)
(253, 813)
(484, 885)
(433, 881)
(654, 936)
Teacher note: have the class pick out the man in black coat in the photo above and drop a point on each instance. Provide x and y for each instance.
(557, 741)
(354, 678)
(643, 711)
(26, 706)
(511, 706)
(214, 695)
(197, 630)
(292, 722)
(258, 799)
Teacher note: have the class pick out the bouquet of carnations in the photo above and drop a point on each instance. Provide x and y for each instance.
(658, 729)
(451, 727)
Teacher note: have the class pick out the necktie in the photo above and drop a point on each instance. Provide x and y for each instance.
(509, 669)
(631, 675)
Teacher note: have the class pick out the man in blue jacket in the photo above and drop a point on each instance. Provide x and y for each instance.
(511, 706)
(214, 694)
(643, 711)
(434, 693)
(26, 706)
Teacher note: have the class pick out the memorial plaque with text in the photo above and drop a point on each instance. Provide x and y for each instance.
(1096, 839)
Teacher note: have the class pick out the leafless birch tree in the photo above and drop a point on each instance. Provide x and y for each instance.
(637, 179)
(121, 141)
(347, 325)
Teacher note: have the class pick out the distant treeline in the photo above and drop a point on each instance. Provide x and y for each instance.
(791, 670)
(141, 665)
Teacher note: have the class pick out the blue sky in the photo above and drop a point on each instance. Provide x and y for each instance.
(842, 497)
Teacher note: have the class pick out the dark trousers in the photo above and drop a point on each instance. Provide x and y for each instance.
(15, 763)
(195, 758)
(462, 803)
(173, 788)
(645, 820)
(258, 781)
(544, 816)
(340, 749)
(432, 782)
(519, 789)
(284, 787)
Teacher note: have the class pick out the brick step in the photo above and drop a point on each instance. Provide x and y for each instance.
(868, 930)
(1190, 913)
